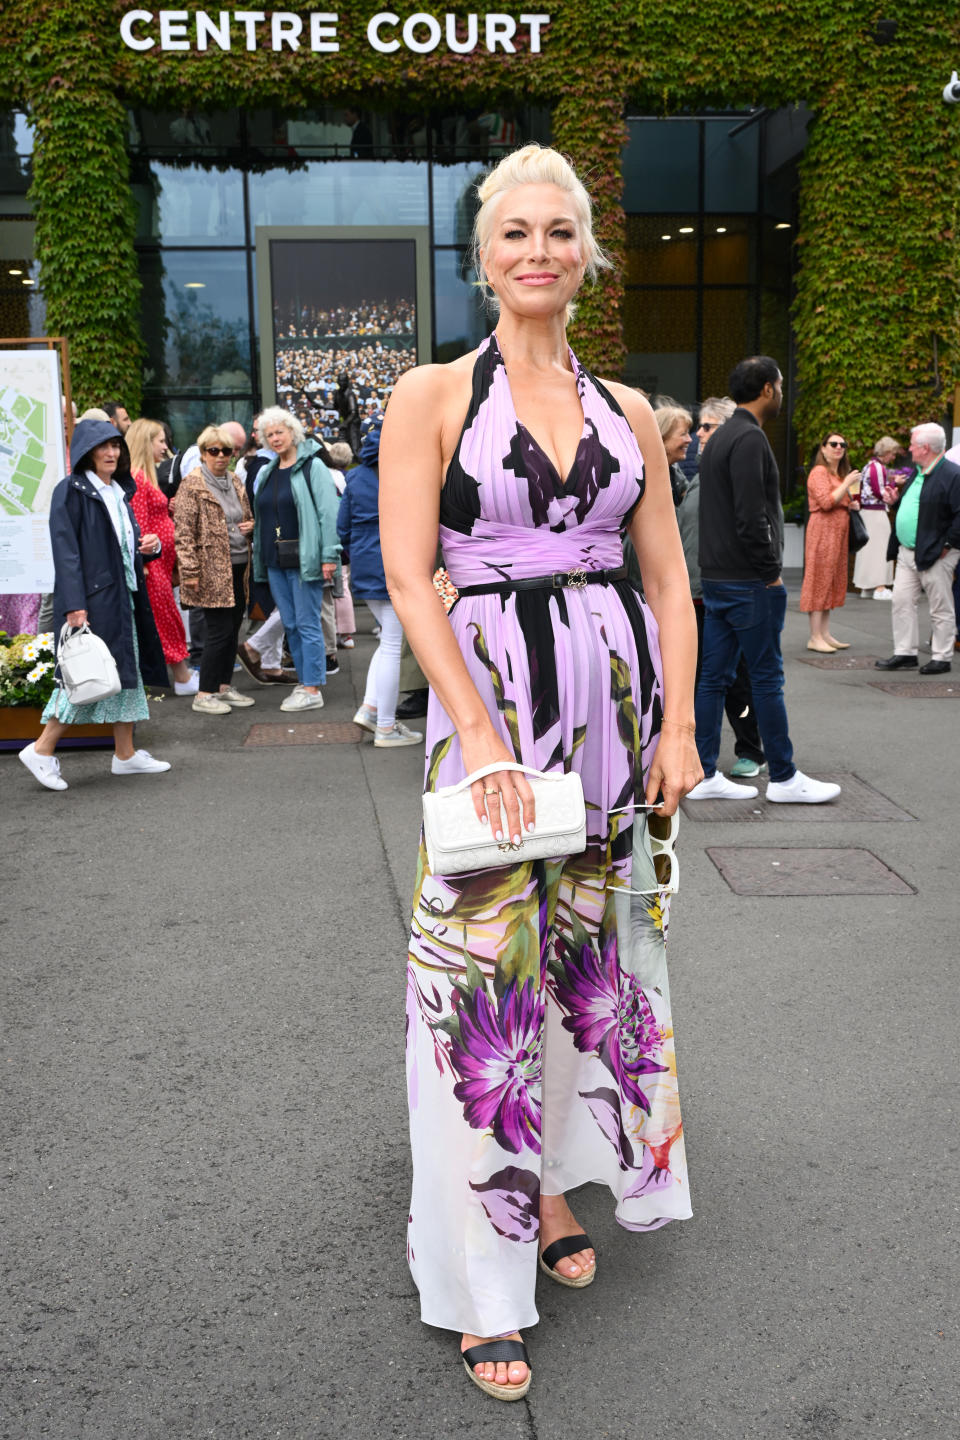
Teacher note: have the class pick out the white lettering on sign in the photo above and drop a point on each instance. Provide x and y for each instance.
(421, 33)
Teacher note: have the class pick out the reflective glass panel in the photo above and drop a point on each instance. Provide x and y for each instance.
(187, 418)
(193, 205)
(729, 249)
(662, 249)
(455, 202)
(348, 192)
(195, 133)
(461, 319)
(729, 333)
(195, 321)
(660, 329)
(660, 166)
(777, 253)
(730, 161)
(16, 149)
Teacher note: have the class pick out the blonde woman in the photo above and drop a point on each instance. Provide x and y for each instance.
(539, 1038)
(214, 525)
(148, 446)
(675, 425)
(872, 571)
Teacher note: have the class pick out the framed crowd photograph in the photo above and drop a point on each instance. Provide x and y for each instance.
(335, 301)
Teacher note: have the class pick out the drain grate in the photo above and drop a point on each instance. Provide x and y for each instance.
(857, 801)
(759, 870)
(919, 689)
(333, 732)
(839, 662)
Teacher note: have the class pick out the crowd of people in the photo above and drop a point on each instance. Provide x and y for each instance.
(369, 317)
(308, 381)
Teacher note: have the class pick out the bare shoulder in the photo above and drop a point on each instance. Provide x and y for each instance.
(635, 406)
(431, 384)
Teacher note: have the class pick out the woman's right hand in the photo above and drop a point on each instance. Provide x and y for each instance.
(853, 478)
(504, 798)
(76, 618)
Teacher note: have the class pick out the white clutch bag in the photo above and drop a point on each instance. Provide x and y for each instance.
(457, 841)
(88, 672)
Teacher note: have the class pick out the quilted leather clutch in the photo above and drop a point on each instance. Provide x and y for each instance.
(458, 842)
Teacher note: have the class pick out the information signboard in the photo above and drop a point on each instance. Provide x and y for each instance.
(32, 461)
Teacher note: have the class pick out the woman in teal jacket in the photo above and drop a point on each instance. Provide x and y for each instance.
(295, 545)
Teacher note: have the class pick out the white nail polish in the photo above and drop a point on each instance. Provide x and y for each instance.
(530, 826)
(499, 835)
(483, 819)
(516, 839)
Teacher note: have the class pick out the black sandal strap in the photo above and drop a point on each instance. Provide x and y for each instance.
(560, 1249)
(494, 1350)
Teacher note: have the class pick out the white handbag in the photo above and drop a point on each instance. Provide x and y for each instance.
(88, 672)
(457, 841)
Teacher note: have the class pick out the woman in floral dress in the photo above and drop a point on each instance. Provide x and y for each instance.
(539, 1038)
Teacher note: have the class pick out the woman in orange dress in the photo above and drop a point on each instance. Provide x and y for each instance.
(147, 445)
(827, 547)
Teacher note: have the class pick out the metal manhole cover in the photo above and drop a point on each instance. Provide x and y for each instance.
(839, 662)
(330, 732)
(920, 689)
(857, 801)
(761, 870)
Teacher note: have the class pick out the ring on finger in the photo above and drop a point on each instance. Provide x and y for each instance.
(492, 791)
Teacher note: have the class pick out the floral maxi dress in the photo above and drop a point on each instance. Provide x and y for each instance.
(539, 1035)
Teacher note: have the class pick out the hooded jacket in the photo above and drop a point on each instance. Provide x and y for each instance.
(358, 523)
(88, 565)
(315, 496)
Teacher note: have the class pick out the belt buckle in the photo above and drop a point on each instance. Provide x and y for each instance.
(577, 579)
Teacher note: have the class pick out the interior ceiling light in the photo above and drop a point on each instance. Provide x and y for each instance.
(721, 229)
(195, 285)
(666, 237)
(686, 229)
(783, 225)
(28, 282)
(16, 272)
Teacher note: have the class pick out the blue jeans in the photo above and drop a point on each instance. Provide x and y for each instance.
(744, 616)
(299, 604)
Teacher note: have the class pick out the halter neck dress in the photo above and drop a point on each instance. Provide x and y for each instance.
(539, 1036)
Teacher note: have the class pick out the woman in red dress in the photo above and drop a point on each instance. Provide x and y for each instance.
(827, 547)
(147, 446)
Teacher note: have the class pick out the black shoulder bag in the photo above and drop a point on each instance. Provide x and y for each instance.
(288, 551)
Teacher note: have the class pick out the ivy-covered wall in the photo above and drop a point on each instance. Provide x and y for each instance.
(878, 292)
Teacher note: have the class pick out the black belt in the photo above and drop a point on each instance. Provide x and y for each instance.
(577, 579)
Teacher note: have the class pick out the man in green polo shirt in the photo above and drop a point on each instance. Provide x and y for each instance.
(928, 534)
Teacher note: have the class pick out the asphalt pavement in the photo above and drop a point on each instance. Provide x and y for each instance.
(205, 1171)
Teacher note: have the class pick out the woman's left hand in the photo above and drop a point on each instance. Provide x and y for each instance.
(150, 544)
(329, 569)
(246, 527)
(854, 504)
(675, 769)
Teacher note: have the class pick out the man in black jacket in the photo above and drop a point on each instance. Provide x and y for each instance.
(741, 551)
(926, 544)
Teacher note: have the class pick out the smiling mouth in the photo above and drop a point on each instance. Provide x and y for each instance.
(541, 278)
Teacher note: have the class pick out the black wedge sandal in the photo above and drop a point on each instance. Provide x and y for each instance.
(490, 1352)
(560, 1250)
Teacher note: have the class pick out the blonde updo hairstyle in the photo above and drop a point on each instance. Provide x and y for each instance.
(533, 165)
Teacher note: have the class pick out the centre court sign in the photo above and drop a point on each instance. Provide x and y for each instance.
(386, 32)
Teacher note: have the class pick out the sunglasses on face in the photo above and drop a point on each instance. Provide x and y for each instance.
(215, 450)
(708, 425)
(837, 444)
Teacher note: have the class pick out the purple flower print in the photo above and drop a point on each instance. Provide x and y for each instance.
(497, 1054)
(511, 1199)
(607, 1012)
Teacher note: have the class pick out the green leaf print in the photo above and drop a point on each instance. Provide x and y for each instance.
(621, 693)
(475, 978)
(506, 707)
(519, 958)
(437, 755)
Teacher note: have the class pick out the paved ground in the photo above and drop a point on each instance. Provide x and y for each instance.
(204, 1164)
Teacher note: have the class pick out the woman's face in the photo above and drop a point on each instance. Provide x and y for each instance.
(159, 447)
(278, 437)
(834, 449)
(676, 443)
(217, 458)
(105, 458)
(534, 258)
(708, 424)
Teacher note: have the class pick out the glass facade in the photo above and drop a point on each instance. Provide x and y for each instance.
(709, 202)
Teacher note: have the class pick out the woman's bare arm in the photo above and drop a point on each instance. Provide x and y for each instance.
(411, 450)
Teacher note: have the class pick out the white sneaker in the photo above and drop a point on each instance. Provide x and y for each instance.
(234, 699)
(399, 735)
(800, 789)
(141, 762)
(209, 705)
(718, 787)
(366, 718)
(301, 699)
(883, 593)
(187, 687)
(45, 768)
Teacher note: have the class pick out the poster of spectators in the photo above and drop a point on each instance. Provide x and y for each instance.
(343, 305)
(32, 460)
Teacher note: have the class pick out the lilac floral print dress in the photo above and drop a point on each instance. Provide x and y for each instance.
(539, 1036)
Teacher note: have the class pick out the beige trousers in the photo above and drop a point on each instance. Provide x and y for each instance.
(937, 584)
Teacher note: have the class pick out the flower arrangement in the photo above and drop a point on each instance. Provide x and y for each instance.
(27, 664)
